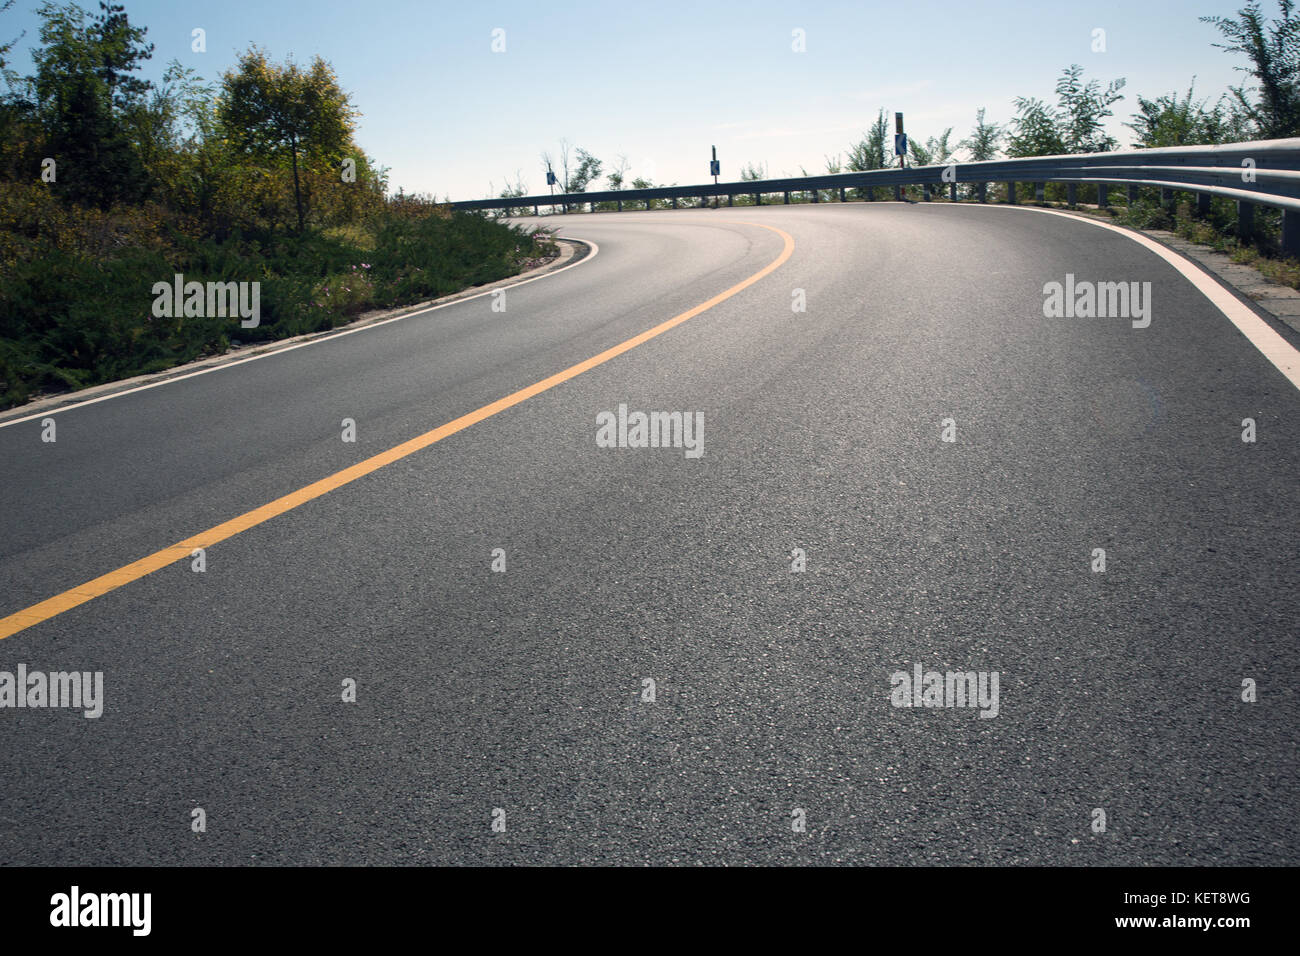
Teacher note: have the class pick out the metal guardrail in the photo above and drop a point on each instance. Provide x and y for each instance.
(1264, 172)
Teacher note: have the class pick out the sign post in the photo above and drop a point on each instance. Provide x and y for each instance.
(715, 168)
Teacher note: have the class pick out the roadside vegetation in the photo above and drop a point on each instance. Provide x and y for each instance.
(1265, 106)
(110, 184)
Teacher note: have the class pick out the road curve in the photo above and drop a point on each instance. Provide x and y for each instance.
(526, 691)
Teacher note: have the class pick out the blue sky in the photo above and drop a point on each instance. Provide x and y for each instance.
(662, 82)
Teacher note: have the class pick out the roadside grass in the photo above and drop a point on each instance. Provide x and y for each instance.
(1217, 231)
(76, 300)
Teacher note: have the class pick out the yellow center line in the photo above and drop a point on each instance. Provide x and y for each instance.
(21, 620)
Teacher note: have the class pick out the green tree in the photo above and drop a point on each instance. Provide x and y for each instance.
(1274, 53)
(619, 174)
(83, 93)
(984, 140)
(1170, 121)
(18, 128)
(869, 152)
(587, 171)
(936, 150)
(199, 155)
(157, 126)
(5, 47)
(1035, 130)
(268, 109)
(642, 183)
(1074, 125)
(512, 191)
(120, 48)
(1082, 107)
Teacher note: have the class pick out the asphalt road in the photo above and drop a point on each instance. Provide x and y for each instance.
(523, 691)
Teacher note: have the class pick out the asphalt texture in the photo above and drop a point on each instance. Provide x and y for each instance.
(524, 691)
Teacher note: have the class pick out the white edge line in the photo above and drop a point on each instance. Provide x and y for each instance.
(595, 250)
(1284, 356)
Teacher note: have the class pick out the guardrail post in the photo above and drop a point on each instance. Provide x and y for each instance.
(1071, 193)
(758, 199)
(1245, 220)
(817, 195)
(952, 192)
(1011, 193)
(1103, 195)
(620, 204)
(1132, 195)
(898, 192)
(925, 191)
(674, 202)
(1290, 232)
(1040, 192)
(982, 192)
(1202, 204)
(536, 212)
(842, 199)
(787, 197)
(731, 199)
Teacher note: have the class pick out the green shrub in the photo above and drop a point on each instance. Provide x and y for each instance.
(76, 300)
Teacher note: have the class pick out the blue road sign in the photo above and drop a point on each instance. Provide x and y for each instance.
(715, 167)
(550, 178)
(900, 144)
